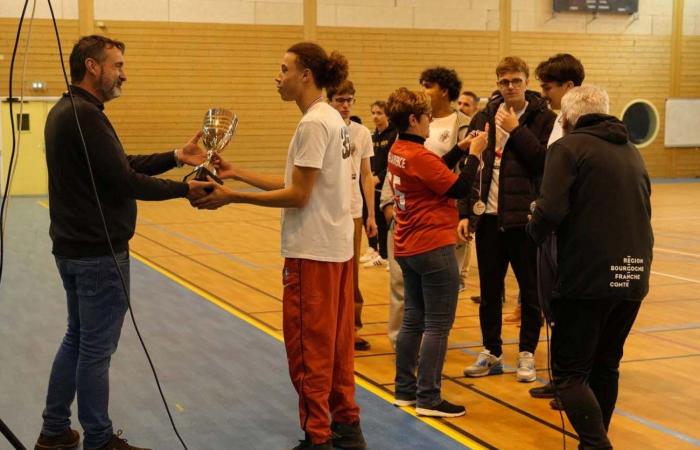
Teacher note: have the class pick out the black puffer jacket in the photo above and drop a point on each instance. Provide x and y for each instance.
(596, 197)
(521, 166)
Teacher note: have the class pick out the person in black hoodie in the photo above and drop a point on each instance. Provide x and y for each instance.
(519, 124)
(596, 196)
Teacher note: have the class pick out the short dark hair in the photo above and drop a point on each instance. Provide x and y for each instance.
(561, 68)
(445, 78)
(92, 47)
(345, 87)
(379, 104)
(402, 103)
(328, 70)
(512, 64)
(472, 95)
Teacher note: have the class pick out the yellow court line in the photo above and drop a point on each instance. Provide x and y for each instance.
(437, 424)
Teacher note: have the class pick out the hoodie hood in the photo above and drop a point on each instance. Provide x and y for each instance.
(603, 126)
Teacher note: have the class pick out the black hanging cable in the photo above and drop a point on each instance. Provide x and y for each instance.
(4, 429)
(10, 99)
(554, 386)
(104, 225)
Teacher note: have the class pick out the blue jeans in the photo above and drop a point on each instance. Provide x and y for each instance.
(431, 286)
(96, 309)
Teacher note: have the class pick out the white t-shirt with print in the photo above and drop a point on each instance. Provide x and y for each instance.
(443, 134)
(361, 147)
(501, 140)
(323, 229)
(557, 131)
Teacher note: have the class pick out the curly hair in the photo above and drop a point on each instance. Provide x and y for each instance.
(328, 70)
(402, 103)
(445, 78)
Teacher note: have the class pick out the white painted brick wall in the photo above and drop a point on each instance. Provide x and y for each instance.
(212, 11)
(151, 10)
(63, 9)
(655, 16)
(273, 13)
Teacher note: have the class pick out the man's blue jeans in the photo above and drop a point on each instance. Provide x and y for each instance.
(96, 309)
(431, 286)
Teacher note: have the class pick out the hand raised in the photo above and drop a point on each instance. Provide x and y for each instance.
(191, 153)
(224, 169)
(507, 119)
(479, 142)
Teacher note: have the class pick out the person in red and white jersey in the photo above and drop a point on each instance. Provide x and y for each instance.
(424, 188)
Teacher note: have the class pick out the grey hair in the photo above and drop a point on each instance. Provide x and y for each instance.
(583, 100)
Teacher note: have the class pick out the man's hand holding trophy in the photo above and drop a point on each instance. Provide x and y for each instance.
(218, 130)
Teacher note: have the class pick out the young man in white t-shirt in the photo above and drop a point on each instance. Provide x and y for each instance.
(317, 234)
(557, 76)
(449, 126)
(342, 97)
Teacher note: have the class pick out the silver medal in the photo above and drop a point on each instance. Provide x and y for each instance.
(479, 208)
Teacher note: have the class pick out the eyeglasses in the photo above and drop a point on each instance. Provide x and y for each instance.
(515, 82)
(341, 100)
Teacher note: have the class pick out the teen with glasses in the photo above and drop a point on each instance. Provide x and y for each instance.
(520, 123)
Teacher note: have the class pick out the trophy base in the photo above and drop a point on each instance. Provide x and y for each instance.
(202, 174)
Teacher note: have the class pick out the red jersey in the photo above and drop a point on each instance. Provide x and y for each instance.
(425, 218)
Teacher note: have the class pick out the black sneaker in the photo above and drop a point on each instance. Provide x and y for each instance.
(69, 440)
(362, 345)
(348, 436)
(546, 391)
(556, 404)
(443, 409)
(117, 443)
(306, 444)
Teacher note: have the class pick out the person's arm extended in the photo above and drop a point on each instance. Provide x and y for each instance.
(463, 186)
(266, 182)
(113, 172)
(296, 195)
(367, 184)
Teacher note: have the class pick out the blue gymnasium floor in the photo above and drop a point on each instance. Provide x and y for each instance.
(226, 381)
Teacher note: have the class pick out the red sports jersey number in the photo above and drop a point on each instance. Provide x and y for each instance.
(399, 197)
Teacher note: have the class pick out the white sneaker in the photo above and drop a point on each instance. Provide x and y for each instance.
(377, 261)
(486, 364)
(526, 367)
(369, 255)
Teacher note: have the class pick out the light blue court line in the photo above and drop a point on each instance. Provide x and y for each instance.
(674, 180)
(658, 427)
(200, 244)
(690, 326)
(646, 422)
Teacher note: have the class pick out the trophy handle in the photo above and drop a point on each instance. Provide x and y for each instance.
(201, 173)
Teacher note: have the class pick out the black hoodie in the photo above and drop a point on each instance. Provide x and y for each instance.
(521, 166)
(595, 195)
